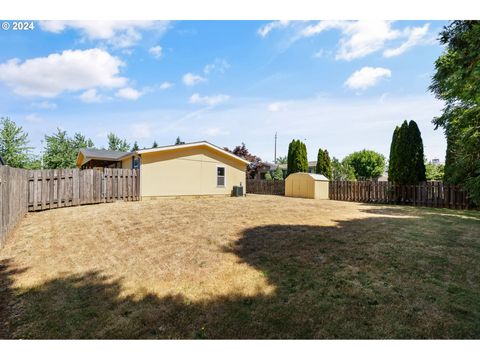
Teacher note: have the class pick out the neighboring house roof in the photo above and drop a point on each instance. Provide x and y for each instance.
(1, 161)
(84, 155)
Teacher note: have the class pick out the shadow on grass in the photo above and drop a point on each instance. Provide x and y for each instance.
(379, 277)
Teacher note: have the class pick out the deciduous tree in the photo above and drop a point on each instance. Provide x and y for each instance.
(14, 147)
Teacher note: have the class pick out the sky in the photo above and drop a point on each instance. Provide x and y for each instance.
(339, 85)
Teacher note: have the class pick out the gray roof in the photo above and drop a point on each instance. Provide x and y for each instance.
(103, 154)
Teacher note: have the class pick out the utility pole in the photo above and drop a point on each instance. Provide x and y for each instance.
(275, 153)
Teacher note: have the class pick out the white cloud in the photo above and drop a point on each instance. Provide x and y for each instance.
(141, 130)
(367, 77)
(92, 96)
(33, 118)
(265, 30)
(120, 34)
(359, 38)
(276, 106)
(71, 70)
(47, 105)
(208, 100)
(156, 51)
(415, 36)
(166, 85)
(128, 93)
(190, 79)
(219, 65)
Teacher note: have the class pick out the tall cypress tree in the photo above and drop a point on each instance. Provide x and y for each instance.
(328, 165)
(324, 165)
(320, 168)
(297, 157)
(406, 165)
(393, 161)
(418, 159)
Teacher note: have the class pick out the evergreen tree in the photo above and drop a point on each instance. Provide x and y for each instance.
(14, 147)
(278, 174)
(320, 168)
(324, 165)
(135, 147)
(154, 145)
(297, 157)
(393, 161)
(268, 177)
(406, 164)
(115, 143)
(178, 141)
(418, 158)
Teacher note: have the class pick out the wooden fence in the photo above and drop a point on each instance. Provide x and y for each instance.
(432, 193)
(266, 187)
(48, 189)
(13, 199)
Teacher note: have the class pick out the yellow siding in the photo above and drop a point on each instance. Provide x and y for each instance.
(127, 163)
(302, 185)
(188, 172)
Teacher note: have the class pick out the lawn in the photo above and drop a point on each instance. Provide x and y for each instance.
(255, 267)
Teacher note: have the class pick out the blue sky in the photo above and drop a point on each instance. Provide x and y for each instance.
(340, 85)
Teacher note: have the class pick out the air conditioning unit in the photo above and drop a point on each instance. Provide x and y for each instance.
(237, 191)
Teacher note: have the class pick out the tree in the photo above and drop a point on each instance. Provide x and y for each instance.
(256, 162)
(434, 172)
(366, 164)
(154, 145)
(324, 166)
(135, 147)
(178, 141)
(341, 171)
(406, 164)
(278, 174)
(297, 157)
(456, 83)
(393, 159)
(14, 147)
(61, 151)
(268, 177)
(115, 143)
(281, 160)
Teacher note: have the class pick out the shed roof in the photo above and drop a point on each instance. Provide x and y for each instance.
(316, 177)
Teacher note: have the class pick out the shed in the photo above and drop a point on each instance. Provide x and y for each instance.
(306, 185)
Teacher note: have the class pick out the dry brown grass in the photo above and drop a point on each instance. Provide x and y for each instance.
(261, 266)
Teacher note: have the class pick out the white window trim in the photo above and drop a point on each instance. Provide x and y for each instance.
(224, 177)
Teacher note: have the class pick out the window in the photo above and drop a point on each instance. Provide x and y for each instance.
(220, 176)
(136, 163)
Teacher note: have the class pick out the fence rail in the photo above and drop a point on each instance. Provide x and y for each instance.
(266, 187)
(32, 190)
(432, 193)
(48, 189)
(13, 199)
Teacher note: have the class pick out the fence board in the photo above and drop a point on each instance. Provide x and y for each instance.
(71, 187)
(431, 194)
(265, 187)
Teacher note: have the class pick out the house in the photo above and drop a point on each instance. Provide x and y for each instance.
(191, 169)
